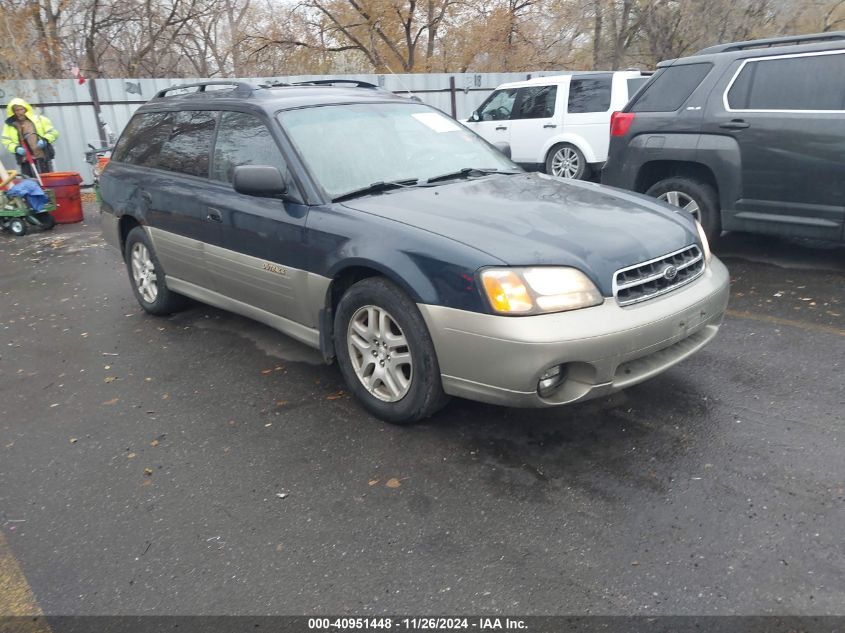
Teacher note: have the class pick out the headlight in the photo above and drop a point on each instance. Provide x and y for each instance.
(538, 290)
(704, 243)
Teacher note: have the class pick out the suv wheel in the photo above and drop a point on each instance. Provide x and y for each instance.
(694, 196)
(385, 352)
(147, 277)
(567, 161)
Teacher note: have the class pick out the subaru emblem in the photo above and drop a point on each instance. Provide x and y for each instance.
(670, 272)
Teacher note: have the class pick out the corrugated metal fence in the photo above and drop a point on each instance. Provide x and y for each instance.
(71, 107)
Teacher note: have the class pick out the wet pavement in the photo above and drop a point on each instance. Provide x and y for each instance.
(204, 464)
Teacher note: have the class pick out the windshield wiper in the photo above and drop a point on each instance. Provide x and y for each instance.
(467, 172)
(375, 187)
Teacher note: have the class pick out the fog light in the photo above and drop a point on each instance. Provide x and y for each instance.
(551, 380)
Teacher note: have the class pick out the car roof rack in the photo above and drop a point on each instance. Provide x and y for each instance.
(240, 88)
(331, 82)
(773, 41)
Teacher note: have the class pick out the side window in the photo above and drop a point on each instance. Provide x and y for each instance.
(142, 139)
(187, 148)
(243, 139)
(589, 95)
(498, 107)
(815, 82)
(634, 86)
(536, 102)
(670, 88)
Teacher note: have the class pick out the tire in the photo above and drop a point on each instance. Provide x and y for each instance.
(567, 161)
(18, 226)
(376, 323)
(695, 196)
(147, 277)
(46, 221)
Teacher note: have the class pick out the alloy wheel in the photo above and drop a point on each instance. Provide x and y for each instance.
(683, 201)
(566, 163)
(144, 272)
(380, 353)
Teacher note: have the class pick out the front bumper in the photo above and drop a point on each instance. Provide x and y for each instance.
(500, 359)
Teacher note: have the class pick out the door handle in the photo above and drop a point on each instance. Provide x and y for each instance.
(736, 124)
(501, 127)
(214, 215)
(550, 125)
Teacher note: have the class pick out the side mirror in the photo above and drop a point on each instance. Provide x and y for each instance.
(474, 116)
(505, 148)
(263, 181)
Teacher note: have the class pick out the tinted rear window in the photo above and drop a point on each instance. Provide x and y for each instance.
(814, 82)
(634, 85)
(536, 102)
(142, 139)
(187, 148)
(669, 89)
(589, 95)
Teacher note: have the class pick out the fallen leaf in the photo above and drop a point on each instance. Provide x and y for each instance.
(372, 482)
(109, 379)
(148, 472)
(337, 395)
(268, 425)
(393, 483)
(266, 371)
(282, 495)
(280, 547)
(73, 440)
(112, 401)
(54, 405)
(281, 403)
(131, 456)
(165, 396)
(154, 443)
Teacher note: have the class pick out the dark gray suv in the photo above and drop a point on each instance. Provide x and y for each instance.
(747, 136)
(403, 245)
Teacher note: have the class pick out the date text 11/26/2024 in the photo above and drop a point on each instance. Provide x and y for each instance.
(416, 624)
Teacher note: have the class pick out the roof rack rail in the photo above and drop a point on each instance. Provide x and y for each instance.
(773, 41)
(331, 82)
(241, 88)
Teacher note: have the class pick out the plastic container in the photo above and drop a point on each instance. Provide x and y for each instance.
(65, 184)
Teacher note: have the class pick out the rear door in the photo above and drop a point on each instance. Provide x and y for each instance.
(588, 114)
(532, 122)
(262, 259)
(172, 151)
(494, 115)
(787, 115)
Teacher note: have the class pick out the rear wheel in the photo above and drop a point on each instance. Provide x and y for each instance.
(147, 276)
(46, 220)
(385, 353)
(18, 226)
(694, 196)
(567, 161)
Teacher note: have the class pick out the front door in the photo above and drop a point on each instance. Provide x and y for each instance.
(493, 117)
(261, 262)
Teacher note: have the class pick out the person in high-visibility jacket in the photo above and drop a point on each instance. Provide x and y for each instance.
(23, 125)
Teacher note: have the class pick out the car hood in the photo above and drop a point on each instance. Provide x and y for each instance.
(534, 219)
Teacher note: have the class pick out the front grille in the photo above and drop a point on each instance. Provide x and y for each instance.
(650, 279)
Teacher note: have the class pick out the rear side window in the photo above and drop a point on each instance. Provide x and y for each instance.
(188, 146)
(589, 95)
(634, 85)
(668, 90)
(536, 102)
(814, 82)
(143, 138)
(243, 139)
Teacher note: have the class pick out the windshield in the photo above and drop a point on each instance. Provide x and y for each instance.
(351, 147)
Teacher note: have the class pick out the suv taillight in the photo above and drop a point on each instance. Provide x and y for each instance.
(620, 123)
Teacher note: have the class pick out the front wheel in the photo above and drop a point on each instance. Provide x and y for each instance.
(385, 353)
(147, 276)
(18, 226)
(694, 196)
(567, 161)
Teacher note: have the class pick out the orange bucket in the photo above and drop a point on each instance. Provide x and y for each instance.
(65, 184)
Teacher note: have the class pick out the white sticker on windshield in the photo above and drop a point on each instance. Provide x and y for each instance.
(436, 122)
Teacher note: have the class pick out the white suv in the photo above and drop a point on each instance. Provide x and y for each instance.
(560, 124)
